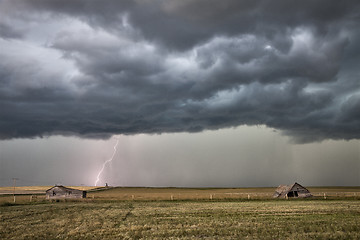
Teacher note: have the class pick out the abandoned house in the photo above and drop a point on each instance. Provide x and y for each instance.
(61, 192)
(294, 190)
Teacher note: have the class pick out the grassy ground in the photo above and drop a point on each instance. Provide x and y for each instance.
(34, 189)
(213, 193)
(181, 193)
(254, 219)
(36, 194)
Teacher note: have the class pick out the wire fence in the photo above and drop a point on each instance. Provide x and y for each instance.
(102, 196)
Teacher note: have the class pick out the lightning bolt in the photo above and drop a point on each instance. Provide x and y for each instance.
(107, 161)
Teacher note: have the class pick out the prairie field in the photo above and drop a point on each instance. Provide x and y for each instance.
(142, 193)
(34, 189)
(182, 213)
(252, 219)
(120, 193)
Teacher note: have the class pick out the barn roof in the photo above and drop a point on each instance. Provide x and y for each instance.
(64, 188)
(283, 190)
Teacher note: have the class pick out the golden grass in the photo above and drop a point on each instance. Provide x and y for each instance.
(210, 193)
(268, 219)
(180, 193)
(210, 213)
(138, 193)
(25, 188)
(35, 189)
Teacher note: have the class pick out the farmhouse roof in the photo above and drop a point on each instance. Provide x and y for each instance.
(283, 190)
(64, 188)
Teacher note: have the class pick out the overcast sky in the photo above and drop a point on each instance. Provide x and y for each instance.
(198, 93)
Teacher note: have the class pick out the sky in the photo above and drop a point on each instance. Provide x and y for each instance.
(201, 93)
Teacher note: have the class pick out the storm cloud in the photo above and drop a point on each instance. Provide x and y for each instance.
(98, 68)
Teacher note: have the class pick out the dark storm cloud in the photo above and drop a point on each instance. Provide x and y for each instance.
(7, 32)
(127, 67)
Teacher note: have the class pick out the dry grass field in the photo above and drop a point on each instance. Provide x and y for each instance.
(181, 193)
(213, 193)
(254, 219)
(181, 213)
(35, 189)
(37, 193)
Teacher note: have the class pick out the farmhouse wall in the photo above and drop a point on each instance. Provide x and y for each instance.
(59, 192)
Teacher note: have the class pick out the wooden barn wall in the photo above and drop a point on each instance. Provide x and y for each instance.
(64, 193)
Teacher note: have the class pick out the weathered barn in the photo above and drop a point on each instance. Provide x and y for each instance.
(61, 192)
(294, 190)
